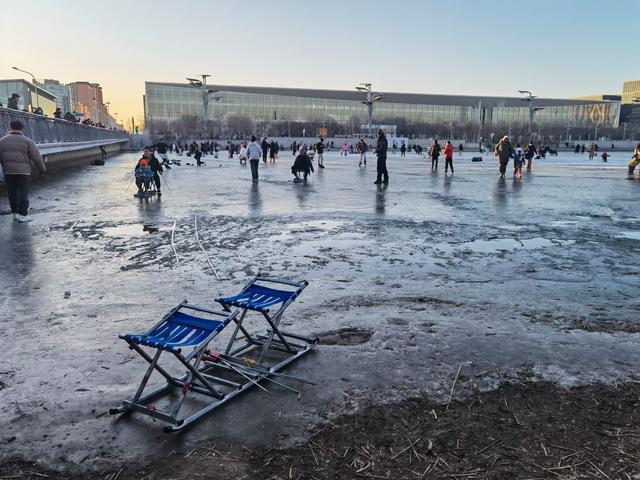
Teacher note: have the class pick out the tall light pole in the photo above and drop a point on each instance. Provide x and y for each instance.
(371, 99)
(105, 109)
(33, 77)
(205, 92)
(532, 110)
(217, 98)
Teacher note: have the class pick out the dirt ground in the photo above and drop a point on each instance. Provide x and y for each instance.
(523, 430)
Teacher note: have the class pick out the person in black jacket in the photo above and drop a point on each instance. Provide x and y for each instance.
(156, 168)
(302, 164)
(273, 151)
(161, 148)
(381, 152)
(320, 152)
(265, 149)
(529, 153)
(12, 103)
(434, 153)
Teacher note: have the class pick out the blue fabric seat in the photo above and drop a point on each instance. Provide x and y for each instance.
(176, 332)
(258, 298)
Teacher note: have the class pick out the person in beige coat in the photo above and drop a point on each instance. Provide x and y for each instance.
(18, 156)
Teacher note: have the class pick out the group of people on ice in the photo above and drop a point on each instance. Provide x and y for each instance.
(504, 151)
(149, 168)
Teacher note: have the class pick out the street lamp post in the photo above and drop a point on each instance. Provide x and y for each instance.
(106, 116)
(205, 92)
(532, 110)
(371, 99)
(34, 83)
(217, 98)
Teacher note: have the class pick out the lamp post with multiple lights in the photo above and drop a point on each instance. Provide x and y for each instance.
(205, 92)
(371, 99)
(532, 110)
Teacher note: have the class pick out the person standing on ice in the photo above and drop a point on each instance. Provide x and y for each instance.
(265, 149)
(381, 152)
(363, 152)
(434, 153)
(448, 156)
(529, 153)
(503, 153)
(254, 152)
(320, 152)
(156, 168)
(18, 156)
(517, 161)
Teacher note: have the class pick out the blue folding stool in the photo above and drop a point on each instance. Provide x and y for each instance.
(259, 296)
(244, 364)
(187, 338)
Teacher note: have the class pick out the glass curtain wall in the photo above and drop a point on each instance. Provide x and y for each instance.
(169, 102)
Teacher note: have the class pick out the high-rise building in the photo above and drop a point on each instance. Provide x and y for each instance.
(630, 91)
(87, 100)
(61, 91)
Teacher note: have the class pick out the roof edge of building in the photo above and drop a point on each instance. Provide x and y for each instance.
(476, 98)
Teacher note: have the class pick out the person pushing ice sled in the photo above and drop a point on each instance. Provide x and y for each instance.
(144, 177)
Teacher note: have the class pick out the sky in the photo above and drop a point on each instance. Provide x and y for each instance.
(555, 48)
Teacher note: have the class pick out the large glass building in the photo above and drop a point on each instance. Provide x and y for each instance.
(171, 101)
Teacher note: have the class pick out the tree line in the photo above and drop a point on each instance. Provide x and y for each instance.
(242, 126)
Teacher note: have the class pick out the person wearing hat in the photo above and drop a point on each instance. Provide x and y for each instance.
(17, 156)
(12, 103)
(503, 152)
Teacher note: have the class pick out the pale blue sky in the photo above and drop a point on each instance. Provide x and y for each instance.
(556, 48)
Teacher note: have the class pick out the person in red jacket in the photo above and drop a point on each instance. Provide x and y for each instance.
(448, 157)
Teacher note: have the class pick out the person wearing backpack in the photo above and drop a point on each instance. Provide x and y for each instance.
(434, 153)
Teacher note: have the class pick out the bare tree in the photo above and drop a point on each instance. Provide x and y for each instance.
(238, 126)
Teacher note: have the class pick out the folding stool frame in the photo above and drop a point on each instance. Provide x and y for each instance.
(201, 363)
(193, 380)
(249, 299)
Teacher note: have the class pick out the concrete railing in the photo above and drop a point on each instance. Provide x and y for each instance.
(48, 130)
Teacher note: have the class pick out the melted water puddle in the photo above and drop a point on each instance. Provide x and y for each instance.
(633, 235)
(502, 244)
(129, 230)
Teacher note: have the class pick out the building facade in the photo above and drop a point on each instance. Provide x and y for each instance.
(630, 91)
(87, 100)
(31, 96)
(61, 91)
(171, 101)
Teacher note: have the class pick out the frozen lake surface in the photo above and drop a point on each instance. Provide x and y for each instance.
(535, 278)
